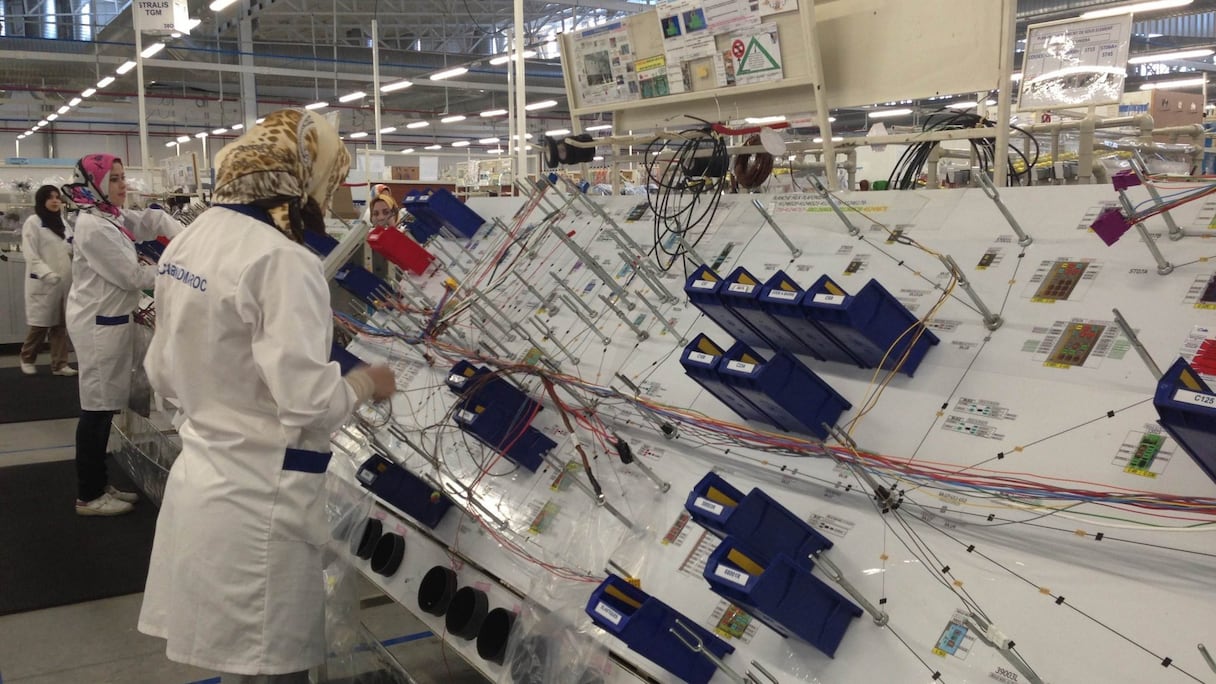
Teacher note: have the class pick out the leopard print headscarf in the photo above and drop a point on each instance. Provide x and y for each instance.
(290, 165)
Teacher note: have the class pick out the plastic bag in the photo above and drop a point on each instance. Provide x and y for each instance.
(556, 646)
(345, 506)
(140, 398)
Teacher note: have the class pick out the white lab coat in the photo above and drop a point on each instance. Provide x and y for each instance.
(243, 331)
(107, 278)
(48, 273)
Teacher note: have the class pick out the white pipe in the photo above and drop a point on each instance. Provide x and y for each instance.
(521, 142)
(376, 82)
(145, 161)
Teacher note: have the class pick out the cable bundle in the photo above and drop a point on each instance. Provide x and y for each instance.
(912, 164)
(690, 185)
(749, 173)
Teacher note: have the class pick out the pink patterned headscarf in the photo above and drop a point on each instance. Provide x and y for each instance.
(91, 175)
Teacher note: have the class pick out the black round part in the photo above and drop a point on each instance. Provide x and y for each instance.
(495, 631)
(466, 612)
(367, 540)
(436, 590)
(388, 554)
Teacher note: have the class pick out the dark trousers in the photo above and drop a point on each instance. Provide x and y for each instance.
(92, 437)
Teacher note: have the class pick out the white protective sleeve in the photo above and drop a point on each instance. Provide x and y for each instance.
(112, 255)
(148, 224)
(30, 248)
(284, 297)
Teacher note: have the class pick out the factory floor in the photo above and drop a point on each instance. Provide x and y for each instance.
(96, 642)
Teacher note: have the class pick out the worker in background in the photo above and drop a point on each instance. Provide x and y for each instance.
(242, 345)
(48, 276)
(107, 279)
(384, 210)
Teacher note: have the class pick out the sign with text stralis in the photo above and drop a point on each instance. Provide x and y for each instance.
(159, 16)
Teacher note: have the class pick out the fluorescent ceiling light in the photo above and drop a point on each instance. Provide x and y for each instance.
(351, 97)
(601, 127)
(388, 129)
(171, 143)
(969, 104)
(52, 117)
(527, 136)
(259, 120)
(219, 131)
(220, 5)
(487, 141)
(543, 104)
(175, 34)
(105, 82)
(315, 105)
(393, 87)
(1138, 7)
(126, 66)
(448, 73)
(360, 134)
(200, 135)
(433, 147)
(237, 127)
(597, 159)
(89, 92)
(452, 119)
(407, 150)
(42, 123)
(503, 59)
(74, 101)
(558, 131)
(494, 112)
(1178, 83)
(755, 120)
(63, 110)
(1168, 56)
(418, 124)
(835, 138)
(495, 151)
(889, 113)
(152, 50)
(189, 26)
(461, 143)
(183, 138)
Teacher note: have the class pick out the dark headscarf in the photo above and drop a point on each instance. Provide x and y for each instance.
(52, 220)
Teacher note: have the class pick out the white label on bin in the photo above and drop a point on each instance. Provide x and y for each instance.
(782, 294)
(700, 357)
(740, 287)
(732, 575)
(707, 505)
(703, 284)
(607, 613)
(456, 379)
(828, 299)
(740, 366)
(463, 416)
(1197, 398)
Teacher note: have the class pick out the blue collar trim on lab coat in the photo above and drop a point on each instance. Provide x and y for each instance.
(251, 211)
(305, 461)
(113, 320)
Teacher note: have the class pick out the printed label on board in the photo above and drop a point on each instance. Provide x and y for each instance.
(707, 505)
(604, 611)
(1197, 398)
(740, 287)
(700, 357)
(465, 416)
(703, 284)
(782, 294)
(828, 299)
(732, 575)
(740, 366)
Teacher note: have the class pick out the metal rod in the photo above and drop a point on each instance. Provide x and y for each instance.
(1141, 170)
(663, 485)
(831, 200)
(642, 334)
(535, 292)
(990, 190)
(794, 251)
(586, 489)
(1163, 267)
(592, 264)
(586, 321)
(548, 332)
(629, 245)
(662, 319)
(692, 641)
(1203, 651)
(833, 572)
(1137, 344)
(573, 294)
(495, 321)
(766, 673)
(642, 273)
(691, 252)
(452, 259)
(992, 321)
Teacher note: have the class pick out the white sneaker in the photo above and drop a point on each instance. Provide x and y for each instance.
(103, 505)
(66, 371)
(28, 368)
(129, 497)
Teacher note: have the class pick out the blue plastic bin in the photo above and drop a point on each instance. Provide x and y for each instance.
(700, 360)
(741, 294)
(769, 528)
(320, 243)
(643, 623)
(781, 594)
(499, 415)
(782, 298)
(703, 288)
(789, 393)
(362, 283)
(868, 324)
(1187, 410)
(443, 208)
(404, 490)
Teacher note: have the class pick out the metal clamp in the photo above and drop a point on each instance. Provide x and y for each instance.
(990, 190)
(992, 321)
(1137, 344)
(997, 639)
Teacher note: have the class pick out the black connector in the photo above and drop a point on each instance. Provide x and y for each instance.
(623, 450)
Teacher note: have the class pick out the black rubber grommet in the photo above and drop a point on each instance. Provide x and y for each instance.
(466, 612)
(367, 540)
(436, 590)
(386, 558)
(495, 631)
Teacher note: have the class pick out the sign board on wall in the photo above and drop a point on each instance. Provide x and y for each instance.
(159, 16)
(1075, 63)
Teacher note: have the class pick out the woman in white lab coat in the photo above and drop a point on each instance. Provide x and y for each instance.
(48, 275)
(107, 278)
(243, 332)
